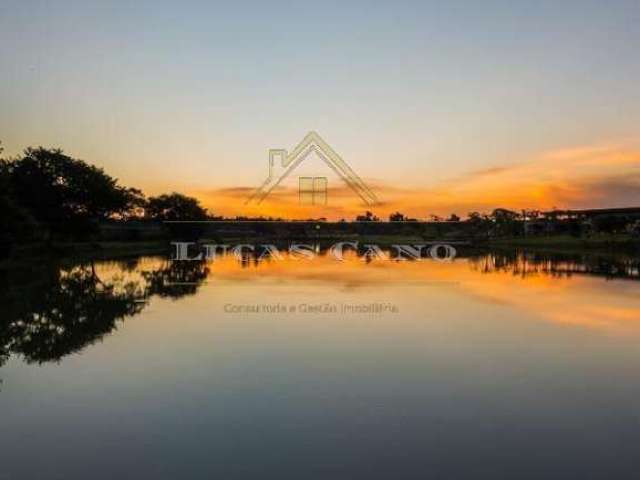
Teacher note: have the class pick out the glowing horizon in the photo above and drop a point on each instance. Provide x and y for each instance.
(589, 177)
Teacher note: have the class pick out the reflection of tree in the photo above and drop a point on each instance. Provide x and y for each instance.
(526, 264)
(4, 355)
(176, 279)
(50, 312)
(75, 311)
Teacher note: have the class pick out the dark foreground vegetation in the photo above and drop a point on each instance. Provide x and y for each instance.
(48, 196)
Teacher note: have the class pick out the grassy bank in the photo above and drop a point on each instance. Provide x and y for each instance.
(601, 242)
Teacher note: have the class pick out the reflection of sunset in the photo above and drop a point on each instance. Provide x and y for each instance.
(612, 307)
(546, 291)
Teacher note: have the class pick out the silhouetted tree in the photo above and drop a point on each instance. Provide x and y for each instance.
(15, 222)
(66, 193)
(367, 217)
(175, 206)
(481, 225)
(506, 222)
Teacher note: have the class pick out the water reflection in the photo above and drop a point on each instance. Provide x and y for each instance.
(526, 264)
(494, 355)
(175, 279)
(54, 309)
(71, 309)
(517, 262)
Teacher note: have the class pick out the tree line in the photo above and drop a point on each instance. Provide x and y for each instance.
(44, 192)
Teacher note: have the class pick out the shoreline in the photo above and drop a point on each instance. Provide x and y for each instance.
(562, 243)
(122, 249)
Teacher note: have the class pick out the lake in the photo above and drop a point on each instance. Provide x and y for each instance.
(494, 365)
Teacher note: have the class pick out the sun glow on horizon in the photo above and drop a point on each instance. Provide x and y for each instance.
(586, 177)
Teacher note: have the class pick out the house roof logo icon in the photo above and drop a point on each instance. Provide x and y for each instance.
(282, 164)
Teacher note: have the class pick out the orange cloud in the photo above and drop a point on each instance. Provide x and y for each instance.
(584, 177)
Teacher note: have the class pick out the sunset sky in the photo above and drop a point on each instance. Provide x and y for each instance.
(440, 106)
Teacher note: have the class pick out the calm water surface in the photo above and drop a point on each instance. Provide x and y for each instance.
(491, 366)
